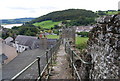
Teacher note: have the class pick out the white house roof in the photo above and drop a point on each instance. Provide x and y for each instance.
(8, 39)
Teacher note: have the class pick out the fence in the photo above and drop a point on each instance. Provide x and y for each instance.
(40, 67)
(83, 71)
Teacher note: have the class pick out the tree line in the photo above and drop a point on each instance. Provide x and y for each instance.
(75, 16)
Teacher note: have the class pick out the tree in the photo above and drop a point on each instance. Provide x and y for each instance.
(101, 13)
(56, 27)
(83, 34)
(28, 31)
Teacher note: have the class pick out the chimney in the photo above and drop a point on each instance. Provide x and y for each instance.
(43, 41)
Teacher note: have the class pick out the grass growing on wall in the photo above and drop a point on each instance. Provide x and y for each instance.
(81, 42)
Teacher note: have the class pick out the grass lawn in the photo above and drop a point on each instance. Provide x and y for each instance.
(80, 40)
(46, 24)
(53, 36)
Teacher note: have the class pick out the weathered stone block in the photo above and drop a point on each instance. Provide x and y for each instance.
(104, 47)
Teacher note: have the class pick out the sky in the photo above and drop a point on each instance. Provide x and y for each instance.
(10, 9)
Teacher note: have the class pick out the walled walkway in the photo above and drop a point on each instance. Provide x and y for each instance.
(61, 68)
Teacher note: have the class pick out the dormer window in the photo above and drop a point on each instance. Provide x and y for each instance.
(4, 57)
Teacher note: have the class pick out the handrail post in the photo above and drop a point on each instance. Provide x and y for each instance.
(52, 52)
(39, 70)
(47, 61)
(65, 47)
(72, 64)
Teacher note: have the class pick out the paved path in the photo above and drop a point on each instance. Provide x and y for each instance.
(61, 70)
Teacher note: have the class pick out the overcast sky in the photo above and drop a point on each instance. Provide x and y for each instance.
(34, 8)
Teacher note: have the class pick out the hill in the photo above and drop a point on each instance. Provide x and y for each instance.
(76, 16)
(16, 21)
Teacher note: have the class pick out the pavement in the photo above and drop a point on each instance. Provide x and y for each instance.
(61, 70)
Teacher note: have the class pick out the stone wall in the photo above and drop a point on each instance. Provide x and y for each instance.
(68, 33)
(104, 47)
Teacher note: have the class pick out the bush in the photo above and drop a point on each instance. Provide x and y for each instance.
(82, 46)
(83, 34)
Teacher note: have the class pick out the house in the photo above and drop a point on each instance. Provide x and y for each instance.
(26, 57)
(9, 41)
(23, 43)
(7, 53)
(83, 28)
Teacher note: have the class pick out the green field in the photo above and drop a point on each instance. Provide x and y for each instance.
(46, 24)
(109, 12)
(112, 13)
(81, 42)
(53, 36)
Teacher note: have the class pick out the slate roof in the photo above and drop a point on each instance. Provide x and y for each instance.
(25, 40)
(33, 42)
(25, 58)
(21, 61)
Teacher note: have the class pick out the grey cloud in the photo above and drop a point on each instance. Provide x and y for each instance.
(22, 8)
(48, 7)
(119, 5)
(34, 9)
(41, 7)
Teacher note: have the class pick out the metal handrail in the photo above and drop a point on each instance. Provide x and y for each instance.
(76, 70)
(44, 70)
(23, 70)
(56, 46)
(70, 51)
(84, 62)
(18, 74)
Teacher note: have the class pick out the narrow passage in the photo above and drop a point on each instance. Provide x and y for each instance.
(61, 68)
